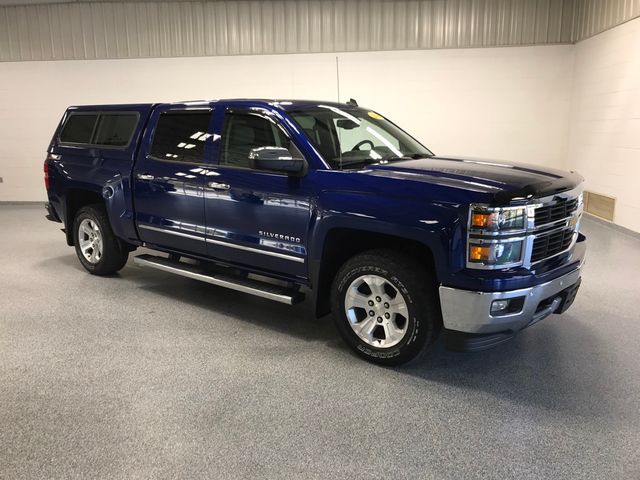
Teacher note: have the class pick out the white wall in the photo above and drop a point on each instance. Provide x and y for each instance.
(605, 118)
(504, 103)
(501, 103)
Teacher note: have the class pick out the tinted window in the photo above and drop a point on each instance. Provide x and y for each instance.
(244, 131)
(116, 129)
(180, 136)
(78, 128)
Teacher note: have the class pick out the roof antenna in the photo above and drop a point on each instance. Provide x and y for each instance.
(352, 102)
(338, 77)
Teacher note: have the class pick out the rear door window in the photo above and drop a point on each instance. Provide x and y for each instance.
(180, 136)
(79, 128)
(115, 129)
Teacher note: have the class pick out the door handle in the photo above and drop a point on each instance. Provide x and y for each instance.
(218, 186)
(144, 176)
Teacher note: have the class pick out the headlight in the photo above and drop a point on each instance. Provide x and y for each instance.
(495, 236)
(498, 219)
(499, 253)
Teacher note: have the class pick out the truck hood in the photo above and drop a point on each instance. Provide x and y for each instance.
(504, 181)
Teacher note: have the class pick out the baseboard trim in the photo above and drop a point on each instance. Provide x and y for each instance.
(16, 202)
(612, 225)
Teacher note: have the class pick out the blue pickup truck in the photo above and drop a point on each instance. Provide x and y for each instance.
(283, 199)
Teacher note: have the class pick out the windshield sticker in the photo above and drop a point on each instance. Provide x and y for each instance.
(375, 115)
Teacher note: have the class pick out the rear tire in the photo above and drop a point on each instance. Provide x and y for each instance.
(99, 250)
(386, 307)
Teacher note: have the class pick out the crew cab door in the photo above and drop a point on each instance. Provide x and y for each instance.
(168, 179)
(256, 218)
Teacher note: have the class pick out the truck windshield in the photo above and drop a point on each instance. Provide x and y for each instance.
(354, 137)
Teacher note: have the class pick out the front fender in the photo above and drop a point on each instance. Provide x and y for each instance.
(433, 226)
(436, 225)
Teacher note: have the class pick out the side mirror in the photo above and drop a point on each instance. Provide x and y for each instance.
(276, 159)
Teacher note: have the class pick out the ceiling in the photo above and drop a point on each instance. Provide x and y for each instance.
(106, 29)
(5, 3)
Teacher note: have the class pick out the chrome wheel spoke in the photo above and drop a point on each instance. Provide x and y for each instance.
(365, 327)
(97, 250)
(84, 228)
(398, 305)
(355, 299)
(376, 284)
(392, 333)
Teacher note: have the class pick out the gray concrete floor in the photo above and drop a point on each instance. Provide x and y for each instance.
(149, 375)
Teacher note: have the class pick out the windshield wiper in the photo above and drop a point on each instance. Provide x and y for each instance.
(373, 161)
(356, 162)
(409, 156)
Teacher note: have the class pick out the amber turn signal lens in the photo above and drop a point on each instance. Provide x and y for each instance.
(478, 253)
(480, 220)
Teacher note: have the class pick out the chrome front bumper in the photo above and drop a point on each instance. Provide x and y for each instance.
(470, 312)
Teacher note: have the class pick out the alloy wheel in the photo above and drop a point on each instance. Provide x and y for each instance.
(90, 238)
(376, 310)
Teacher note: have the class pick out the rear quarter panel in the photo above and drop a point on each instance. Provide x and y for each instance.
(104, 171)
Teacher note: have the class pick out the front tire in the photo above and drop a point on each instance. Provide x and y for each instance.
(385, 306)
(98, 249)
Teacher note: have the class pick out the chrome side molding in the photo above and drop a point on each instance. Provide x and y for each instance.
(222, 243)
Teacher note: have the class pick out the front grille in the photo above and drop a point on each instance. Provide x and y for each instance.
(557, 211)
(552, 244)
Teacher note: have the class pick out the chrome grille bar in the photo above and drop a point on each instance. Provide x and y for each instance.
(554, 226)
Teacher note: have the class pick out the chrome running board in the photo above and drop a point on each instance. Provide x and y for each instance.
(245, 285)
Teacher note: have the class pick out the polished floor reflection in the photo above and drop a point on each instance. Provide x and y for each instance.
(150, 375)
